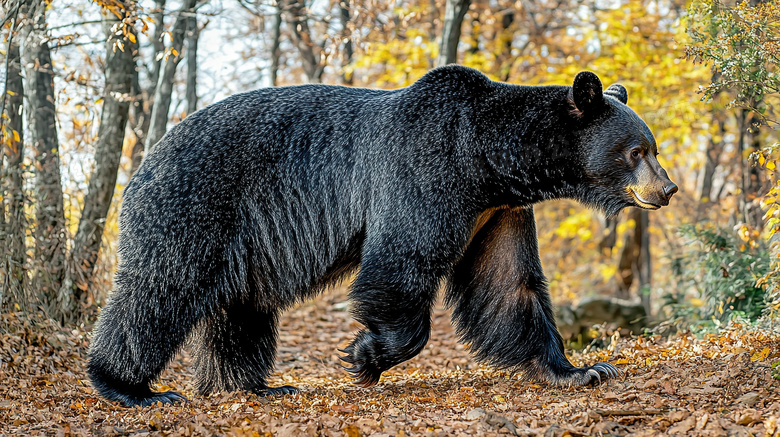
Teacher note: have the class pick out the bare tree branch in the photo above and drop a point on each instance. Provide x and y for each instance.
(454, 13)
(162, 96)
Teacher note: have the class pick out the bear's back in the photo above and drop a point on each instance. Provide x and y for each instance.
(303, 144)
(301, 133)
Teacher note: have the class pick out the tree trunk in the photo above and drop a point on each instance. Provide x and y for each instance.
(162, 96)
(753, 184)
(749, 210)
(454, 13)
(609, 238)
(635, 260)
(108, 151)
(142, 105)
(4, 136)
(139, 116)
(347, 39)
(193, 35)
(159, 46)
(506, 37)
(645, 261)
(311, 54)
(712, 157)
(50, 239)
(628, 257)
(15, 255)
(276, 36)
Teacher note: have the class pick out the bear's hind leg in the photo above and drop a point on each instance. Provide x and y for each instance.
(131, 345)
(502, 307)
(235, 349)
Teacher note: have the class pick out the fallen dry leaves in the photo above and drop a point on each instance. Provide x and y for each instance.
(720, 385)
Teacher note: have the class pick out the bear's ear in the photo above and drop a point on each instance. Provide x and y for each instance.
(587, 92)
(619, 92)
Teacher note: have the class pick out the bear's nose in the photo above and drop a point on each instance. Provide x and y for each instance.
(669, 190)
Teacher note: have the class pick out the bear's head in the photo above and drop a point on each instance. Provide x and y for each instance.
(617, 149)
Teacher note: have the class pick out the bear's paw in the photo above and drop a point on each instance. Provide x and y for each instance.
(364, 359)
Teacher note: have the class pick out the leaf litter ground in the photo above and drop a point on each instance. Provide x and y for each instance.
(716, 386)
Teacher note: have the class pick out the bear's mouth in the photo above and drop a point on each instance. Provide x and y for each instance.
(642, 203)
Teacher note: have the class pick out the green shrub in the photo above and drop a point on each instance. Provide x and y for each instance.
(715, 275)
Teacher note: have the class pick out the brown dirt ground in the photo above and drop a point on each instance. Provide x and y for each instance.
(719, 385)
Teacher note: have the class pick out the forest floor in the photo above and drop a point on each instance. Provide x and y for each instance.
(713, 386)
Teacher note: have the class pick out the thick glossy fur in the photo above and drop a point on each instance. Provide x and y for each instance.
(501, 305)
(263, 199)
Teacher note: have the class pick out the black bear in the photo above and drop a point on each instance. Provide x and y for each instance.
(263, 199)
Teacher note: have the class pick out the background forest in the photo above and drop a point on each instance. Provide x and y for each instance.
(90, 86)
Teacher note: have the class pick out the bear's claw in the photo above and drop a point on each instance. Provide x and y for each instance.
(173, 397)
(166, 397)
(607, 369)
(582, 376)
(365, 375)
(274, 391)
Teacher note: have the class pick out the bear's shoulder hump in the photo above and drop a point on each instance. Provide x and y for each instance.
(454, 76)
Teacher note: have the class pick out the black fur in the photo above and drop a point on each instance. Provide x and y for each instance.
(263, 199)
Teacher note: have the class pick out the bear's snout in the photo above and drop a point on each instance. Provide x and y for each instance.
(653, 188)
(669, 190)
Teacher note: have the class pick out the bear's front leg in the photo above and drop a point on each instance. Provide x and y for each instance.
(502, 307)
(394, 303)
